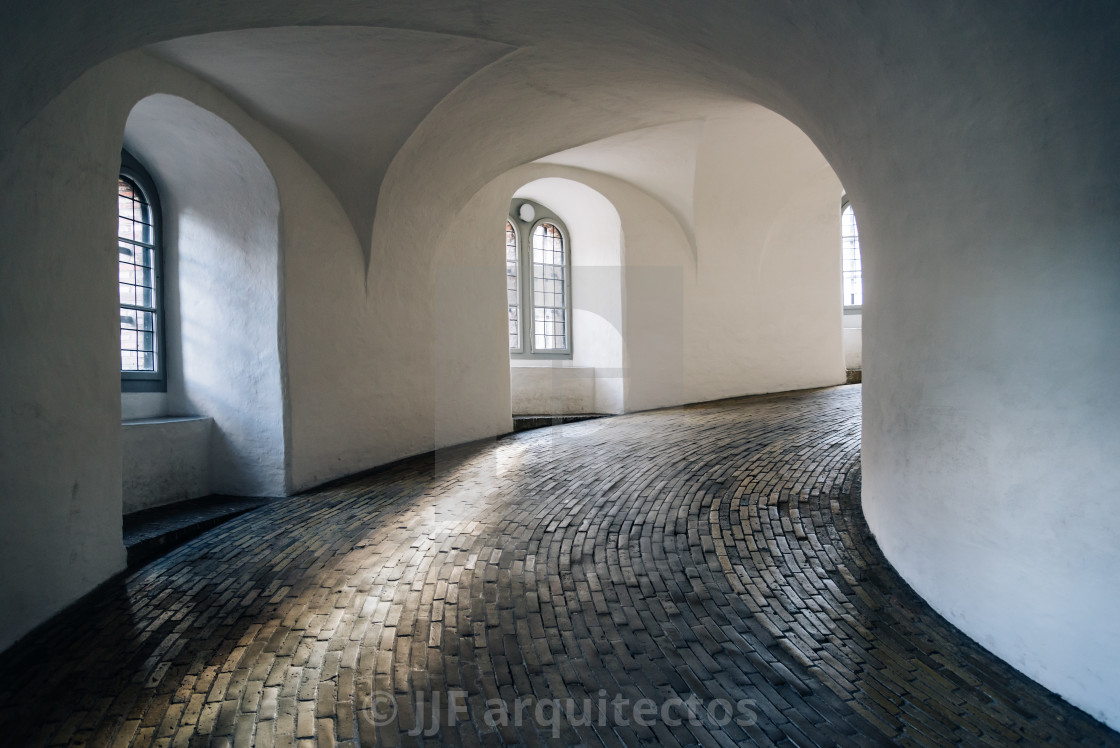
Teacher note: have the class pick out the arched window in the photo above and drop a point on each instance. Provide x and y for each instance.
(853, 269)
(513, 287)
(546, 263)
(550, 297)
(143, 368)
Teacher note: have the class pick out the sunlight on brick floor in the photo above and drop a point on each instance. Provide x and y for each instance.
(693, 576)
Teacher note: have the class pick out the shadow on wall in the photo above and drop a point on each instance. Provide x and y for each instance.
(221, 281)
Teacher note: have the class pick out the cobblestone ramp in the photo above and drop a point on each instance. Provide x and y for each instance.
(539, 590)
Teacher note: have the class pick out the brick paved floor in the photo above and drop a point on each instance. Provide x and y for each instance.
(711, 559)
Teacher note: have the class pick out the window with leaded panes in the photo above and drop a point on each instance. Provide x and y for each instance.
(538, 282)
(853, 269)
(138, 279)
(513, 287)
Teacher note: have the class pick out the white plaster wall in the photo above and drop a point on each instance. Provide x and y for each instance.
(468, 353)
(60, 482)
(164, 460)
(660, 159)
(552, 389)
(764, 314)
(654, 300)
(610, 391)
(853, 341)
(992, 299)
(746, 300)
(221, 282)
(341, 404)
(136, 405)
(991, 412)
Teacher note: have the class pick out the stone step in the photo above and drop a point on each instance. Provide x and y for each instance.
(525, 423)
(150, 533)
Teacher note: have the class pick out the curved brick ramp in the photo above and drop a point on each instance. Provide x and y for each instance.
(700, 575)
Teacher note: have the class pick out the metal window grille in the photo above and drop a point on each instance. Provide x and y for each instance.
(136, 279)
(853, 270)
(550, 308)
(513, 288)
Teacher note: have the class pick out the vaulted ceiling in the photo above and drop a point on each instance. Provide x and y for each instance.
(347, 98)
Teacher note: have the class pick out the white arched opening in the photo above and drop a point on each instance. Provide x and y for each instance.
(591, 380)
(222, 292)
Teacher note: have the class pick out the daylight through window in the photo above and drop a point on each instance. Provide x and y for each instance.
(853, 270)
(513, 288)
(539, 307)
(550, 324)
(138, 279)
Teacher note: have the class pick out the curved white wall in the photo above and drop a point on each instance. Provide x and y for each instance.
(989, 226)
(991, 409)
(765, 314)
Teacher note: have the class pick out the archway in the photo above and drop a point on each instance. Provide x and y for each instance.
(221, 281)
(590, 379)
